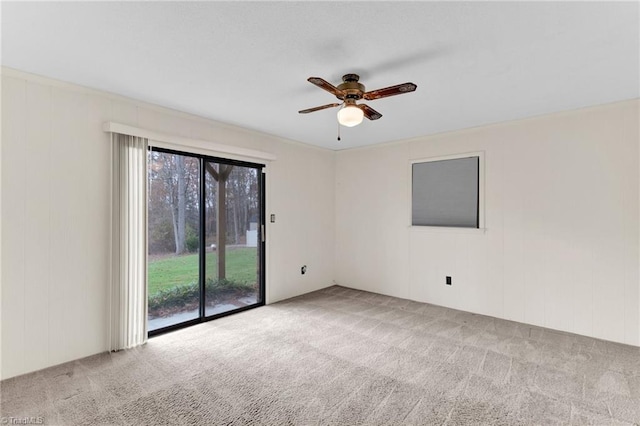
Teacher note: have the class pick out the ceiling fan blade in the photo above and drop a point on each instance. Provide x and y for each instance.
(306, 111)
(398, 89)
(369, 112)
(323, 84)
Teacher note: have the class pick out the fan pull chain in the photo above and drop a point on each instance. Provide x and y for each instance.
(338, 131)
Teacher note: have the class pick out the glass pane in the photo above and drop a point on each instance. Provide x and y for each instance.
(173, 267)
(232, 221)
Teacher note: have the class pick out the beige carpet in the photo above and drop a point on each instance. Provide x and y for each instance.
(343, 357)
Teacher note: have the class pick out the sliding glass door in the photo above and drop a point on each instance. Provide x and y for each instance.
(233, 222)
(174, 220)
(206, 245)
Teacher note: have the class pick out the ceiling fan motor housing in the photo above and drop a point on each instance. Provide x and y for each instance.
(351, 88)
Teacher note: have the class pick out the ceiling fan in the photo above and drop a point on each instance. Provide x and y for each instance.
(350, 91)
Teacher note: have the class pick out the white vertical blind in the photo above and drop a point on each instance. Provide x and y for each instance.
(128, 320)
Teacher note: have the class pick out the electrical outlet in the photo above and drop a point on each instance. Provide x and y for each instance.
(303, 270)
(448, 281)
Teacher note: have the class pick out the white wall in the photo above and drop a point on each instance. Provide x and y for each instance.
(560, 248)
(55, 213)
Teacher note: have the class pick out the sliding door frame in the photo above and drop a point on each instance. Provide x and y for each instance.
(261, 176)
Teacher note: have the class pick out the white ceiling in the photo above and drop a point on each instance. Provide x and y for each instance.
(246, 63)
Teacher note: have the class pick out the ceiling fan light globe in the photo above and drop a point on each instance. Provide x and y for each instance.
(350, 116)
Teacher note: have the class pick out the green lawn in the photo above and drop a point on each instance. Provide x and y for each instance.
(168, 272)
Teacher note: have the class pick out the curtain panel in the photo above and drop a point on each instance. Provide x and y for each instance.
(128, 299)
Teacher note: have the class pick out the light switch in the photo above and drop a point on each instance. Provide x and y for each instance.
(273, 218)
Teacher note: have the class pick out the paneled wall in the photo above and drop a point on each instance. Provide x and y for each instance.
(560, 248)
(55, 214)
